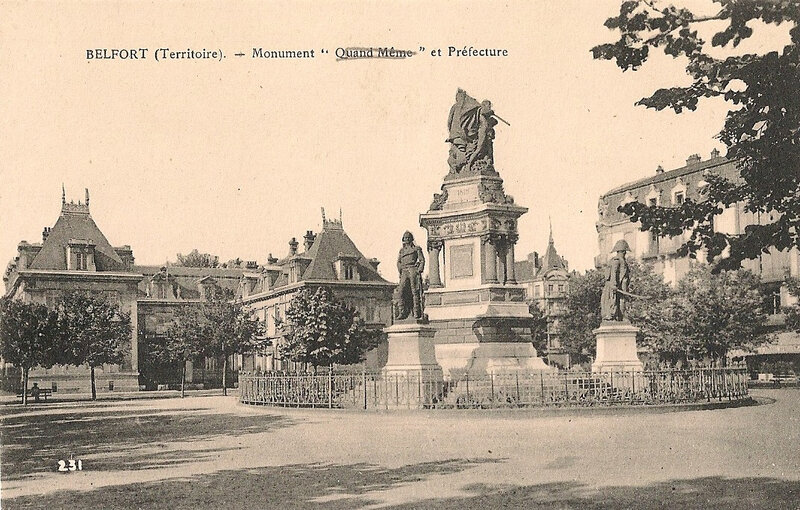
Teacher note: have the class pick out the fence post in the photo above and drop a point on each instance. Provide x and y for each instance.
(466, 375)
(541, 380)
(516, 379)
(330, 389)
(364, 385)
(419, 390)
(491, 382)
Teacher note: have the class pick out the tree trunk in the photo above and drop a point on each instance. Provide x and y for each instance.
(94, 388)
(183, 380)
(25, 386)
(224, 378)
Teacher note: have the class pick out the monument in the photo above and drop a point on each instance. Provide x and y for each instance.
(474, 303)
(616, 337)
(410, 338)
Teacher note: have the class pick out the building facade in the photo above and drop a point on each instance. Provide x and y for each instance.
(328, 259)
(74, 255)
(670, 189)
(161, 292)
(546, 282)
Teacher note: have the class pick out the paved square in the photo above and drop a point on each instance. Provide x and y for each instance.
(211, 452)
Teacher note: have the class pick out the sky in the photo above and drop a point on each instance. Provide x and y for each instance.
(235, 157)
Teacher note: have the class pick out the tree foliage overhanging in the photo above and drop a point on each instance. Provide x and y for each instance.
(761, 131)
(323, 331)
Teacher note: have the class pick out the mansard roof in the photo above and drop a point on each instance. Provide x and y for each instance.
(329, 245)
(75, 223)
(189, 277)
(718, 165)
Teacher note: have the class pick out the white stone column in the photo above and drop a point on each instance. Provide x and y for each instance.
(490, 259)
(511, 274)
(434, 248)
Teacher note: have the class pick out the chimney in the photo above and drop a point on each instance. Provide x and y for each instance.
(308, 239)
(45, 233)
(533, 259)
(374, 263)
(659, 170)
(293, 244)
(693, 159)
(714, 154)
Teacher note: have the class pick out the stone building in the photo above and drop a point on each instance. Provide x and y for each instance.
(671, 188)
(546, 282)
(162, 290)
(328, 259)
(74, 255)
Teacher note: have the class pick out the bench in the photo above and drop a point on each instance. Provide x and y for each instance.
(43, 393)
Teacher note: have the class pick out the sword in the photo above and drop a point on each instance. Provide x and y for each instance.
(630, 295)
(501, 119)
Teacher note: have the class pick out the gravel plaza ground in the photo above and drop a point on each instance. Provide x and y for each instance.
(212, 452)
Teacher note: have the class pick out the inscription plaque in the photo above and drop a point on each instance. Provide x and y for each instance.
(461, 261)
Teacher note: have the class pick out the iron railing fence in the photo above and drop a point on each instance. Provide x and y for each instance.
(424, 390)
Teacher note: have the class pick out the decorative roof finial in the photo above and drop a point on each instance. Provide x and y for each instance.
(340, 215)
(550, 219)
(63, 195)
(87, 197)
(323, 215)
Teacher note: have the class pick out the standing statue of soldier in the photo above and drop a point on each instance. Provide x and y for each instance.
(615, 290)
(410, 264)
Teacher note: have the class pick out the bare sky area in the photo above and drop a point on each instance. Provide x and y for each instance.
(236, 157)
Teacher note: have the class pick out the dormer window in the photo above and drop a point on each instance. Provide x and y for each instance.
(346, 267)
(679, 193)
(80, 255)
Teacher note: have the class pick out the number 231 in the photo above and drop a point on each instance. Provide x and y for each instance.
(70, 465)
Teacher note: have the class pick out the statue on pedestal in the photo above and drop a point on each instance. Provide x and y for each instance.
(615, 290)
(471, 134)
(410, 264)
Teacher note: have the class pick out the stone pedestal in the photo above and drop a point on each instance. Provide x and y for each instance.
(616, 347)
(475, 304)
(411, 351)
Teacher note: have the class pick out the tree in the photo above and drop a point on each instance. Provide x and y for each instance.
(95, 331)
(28, 337)
(228, 329)
(582, 314)
(323, 331)
(713, 314)
(792, 312)
(761, 131)
(582, 308)
(185, 340)
(197, 259)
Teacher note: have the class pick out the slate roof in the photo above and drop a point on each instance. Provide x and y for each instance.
(188, 278)
(527, 270)
(523, 269)
(716, 165)
(551, 259)
(76, 223)
(326, 248)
